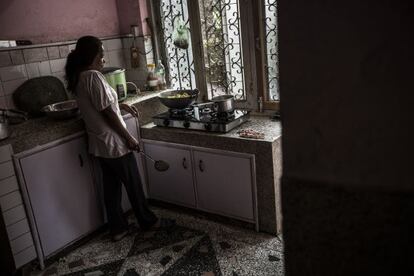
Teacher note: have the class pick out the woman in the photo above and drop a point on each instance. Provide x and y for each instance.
(108, 137)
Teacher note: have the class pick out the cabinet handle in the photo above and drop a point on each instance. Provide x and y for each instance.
(201, 165)
(184, 163)
(80, 160)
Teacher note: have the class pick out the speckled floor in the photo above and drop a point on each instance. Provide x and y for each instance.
(196, 246)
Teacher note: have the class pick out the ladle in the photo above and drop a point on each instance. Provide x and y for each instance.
(159, 165)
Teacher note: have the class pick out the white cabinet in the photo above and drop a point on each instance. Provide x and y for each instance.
(215, 181)
(224, 184)
(176, 184)
(61, 194)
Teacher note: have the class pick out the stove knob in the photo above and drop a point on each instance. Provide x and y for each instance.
(207, 126)
(166, 122)
(186, 124)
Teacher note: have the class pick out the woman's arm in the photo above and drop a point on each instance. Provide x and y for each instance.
(130, 109)
(114, 122)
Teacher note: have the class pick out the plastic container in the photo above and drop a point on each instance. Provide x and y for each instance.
(160, 74)
(152, 80)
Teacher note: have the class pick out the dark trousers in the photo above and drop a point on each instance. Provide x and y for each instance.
(124, 170)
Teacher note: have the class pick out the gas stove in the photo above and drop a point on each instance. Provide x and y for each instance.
(202, 118)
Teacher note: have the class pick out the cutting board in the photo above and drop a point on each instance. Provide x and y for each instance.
(38, 92)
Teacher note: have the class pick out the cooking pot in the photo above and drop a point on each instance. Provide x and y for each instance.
(224, 103)
(116, 78)
(178, 99)
(10, 116)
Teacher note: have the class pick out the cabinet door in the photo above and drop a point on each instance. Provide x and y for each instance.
(176, 184)
(62, 194)
(224, 184)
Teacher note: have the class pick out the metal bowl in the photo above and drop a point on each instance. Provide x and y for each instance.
(167, 98)
(62, 110)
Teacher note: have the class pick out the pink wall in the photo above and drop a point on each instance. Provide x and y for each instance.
(44, 21)
(133, 12)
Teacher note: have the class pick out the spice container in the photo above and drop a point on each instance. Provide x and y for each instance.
(152, 79)
(160, 74)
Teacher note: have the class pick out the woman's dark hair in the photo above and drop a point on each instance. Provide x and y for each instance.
(87, 48)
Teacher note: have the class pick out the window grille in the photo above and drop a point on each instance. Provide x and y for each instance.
(221, 41)
(272, 73)
(180, 62)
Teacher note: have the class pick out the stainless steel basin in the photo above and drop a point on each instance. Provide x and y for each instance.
(62, 110)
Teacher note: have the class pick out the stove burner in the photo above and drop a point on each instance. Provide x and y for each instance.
(223, 116)
(184, 113)
(202, 118)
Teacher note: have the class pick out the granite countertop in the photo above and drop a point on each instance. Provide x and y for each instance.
(40, 131)
(271, 129)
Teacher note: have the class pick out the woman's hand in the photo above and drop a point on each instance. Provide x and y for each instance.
(130, 109)
(132, 143)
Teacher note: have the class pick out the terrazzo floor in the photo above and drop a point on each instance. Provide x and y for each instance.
(195, 246)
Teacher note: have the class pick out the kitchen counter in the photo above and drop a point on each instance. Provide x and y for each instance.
(271, 129)
(40, 131)
(267, 151)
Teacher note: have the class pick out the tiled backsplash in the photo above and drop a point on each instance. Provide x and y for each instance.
(18, 65)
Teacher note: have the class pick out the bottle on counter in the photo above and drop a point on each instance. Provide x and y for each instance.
(160, 74)
(152, 79)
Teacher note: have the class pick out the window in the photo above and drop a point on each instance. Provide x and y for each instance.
(272, 74)
(221, 53)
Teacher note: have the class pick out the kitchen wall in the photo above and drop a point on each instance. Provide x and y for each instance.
(56, 25)
(18, 65)
(347, 113)
(44, 21)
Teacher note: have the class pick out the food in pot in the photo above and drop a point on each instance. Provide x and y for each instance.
(179, 95)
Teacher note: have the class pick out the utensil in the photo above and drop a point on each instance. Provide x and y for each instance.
(10, 116)
(224, 103)
(4, 126)
(62, 110)
(38, 92)
(159, 165)
(171, 100)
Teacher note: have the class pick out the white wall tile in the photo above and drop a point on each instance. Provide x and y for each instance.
(136, 75)
(10, 86)
(127, 42)
(112, 44)
(53, 52)
(5, 59)
(33, 70)
(72, 46)
(116, 58)
(61, 77)
(126, 55)
(13, 72)
(44, 68)
(58, 65)
(35, 54)
(17, 57)
(63, 51)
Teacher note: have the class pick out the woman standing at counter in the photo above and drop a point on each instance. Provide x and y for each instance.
(108, 137)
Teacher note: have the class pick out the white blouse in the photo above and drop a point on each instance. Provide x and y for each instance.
(93, 95)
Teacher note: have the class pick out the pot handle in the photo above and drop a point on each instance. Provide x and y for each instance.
(137, 91)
